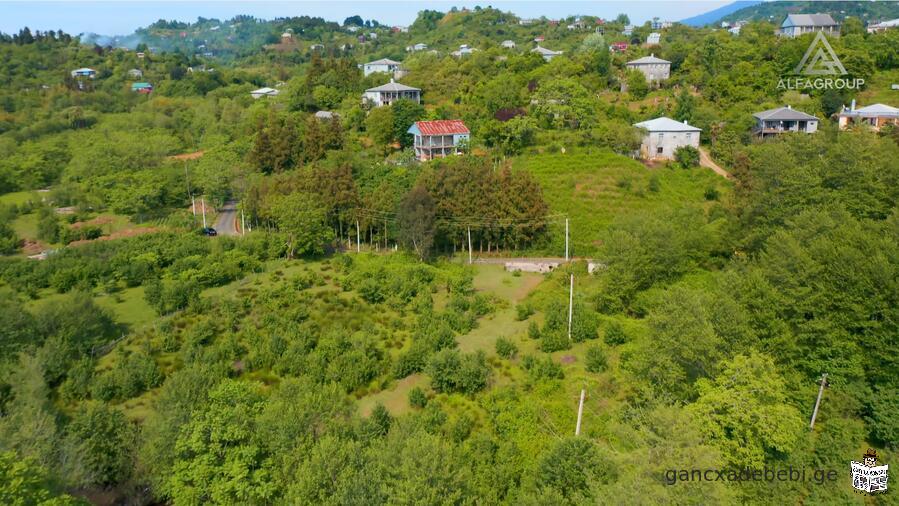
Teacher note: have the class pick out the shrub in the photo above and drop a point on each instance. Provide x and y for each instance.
(418, 398)
(712, 193)
(555, 340)
(523, 311)
(451, 371)
(686, 157)
(654, 184)
(595, 359)
(542, 369)
(534, 330)
(615, 335)
(506, 348)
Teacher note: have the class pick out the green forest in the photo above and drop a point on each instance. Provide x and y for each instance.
(358, 339)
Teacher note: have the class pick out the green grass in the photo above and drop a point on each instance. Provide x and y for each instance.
(19, 198)
(878, 89)
(128, 306)
(594, 187)
(25, 226)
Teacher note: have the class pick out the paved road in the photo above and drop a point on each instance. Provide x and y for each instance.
(226, 223)
(706, 161)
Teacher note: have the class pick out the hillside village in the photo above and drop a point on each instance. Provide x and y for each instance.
(478, 259)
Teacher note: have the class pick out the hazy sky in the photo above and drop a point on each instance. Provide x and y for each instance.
(123, 16)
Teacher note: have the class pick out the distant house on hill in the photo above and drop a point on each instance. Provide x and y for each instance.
(883, 25)
(664, 136)
(382, 65)
(508, 44)
(464, 50)
(286, 38)
(655, 69)
(84, 72)
(547, 54)
(417, 47)
(798, 24)
(783, 120)
(142, 88)
(653, 39)
(264, 92)
(618, 47)
(136, 73)
(538, 39)
(628, 30)
(875, 116)
(325, 115)
(391, 92)
(438, 139)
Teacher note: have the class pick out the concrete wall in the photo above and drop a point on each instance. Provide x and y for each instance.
(526, 266)
(669, 142)
(653, 71)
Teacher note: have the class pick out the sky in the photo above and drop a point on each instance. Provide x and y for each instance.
(124, 16)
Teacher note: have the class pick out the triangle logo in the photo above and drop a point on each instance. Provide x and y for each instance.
(820, 59)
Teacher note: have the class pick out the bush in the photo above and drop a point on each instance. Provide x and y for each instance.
(534, 330)
(654, 184)
(418, 398)
(595, 359)
(712, 193)
(451, 371)
(686, 157)
(523, 311)
(542, 369)
(506, 348)
(615, 335)
(555, 340)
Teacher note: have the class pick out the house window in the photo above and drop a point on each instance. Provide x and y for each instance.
(661, 136)
(689, 135)
(660, 150)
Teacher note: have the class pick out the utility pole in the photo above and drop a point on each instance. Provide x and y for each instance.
(203, 201)
(193, 205)
(358, 248)
(570, 305)
(566, 239)
(243, 224)
(469, 245)
(823, 382)
(580, 413)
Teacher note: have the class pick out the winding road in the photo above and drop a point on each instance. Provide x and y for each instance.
(706, 161)
(226, 223)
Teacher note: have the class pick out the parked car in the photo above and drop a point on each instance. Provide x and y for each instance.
(209, 231)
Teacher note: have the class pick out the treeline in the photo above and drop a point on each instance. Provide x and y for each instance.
(436, 211)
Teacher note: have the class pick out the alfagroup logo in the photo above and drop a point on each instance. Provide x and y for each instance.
(820, 69)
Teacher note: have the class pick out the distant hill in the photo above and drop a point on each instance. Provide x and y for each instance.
(777, 11)
(712, 17)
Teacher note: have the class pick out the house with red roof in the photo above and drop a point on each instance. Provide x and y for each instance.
(440, 138)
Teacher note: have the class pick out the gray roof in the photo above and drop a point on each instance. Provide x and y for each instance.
(784, 114)
(809, 20)
(545, 52)
(647, 60)
(393, 86)
(873, 110)
(383, 61)
(664, 124)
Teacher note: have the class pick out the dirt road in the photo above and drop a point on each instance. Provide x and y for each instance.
(226, 222)
(706, 161)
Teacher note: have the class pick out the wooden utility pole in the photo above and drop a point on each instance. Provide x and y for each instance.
(358, 247)
(823, 382)
(570, 305)
(203, 202)
(580, 413)
(469, 245)
(243, 224)
(566, 239)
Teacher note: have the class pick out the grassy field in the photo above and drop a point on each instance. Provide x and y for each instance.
(594, 187)
(878, 89)
(19, 198)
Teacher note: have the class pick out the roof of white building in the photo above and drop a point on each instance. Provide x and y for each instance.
(265, 91)
(809, 20)
(545, 52)
(383, 61)
(392, 86)
(872, 110)
(647, 60)
(664, 124)
(784, 114)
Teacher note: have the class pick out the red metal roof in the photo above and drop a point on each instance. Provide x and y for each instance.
(442, 127)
